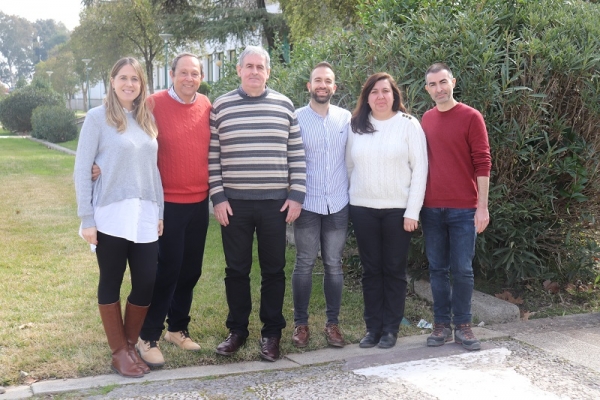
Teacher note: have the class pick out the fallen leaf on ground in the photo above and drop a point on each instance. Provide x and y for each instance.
(526, 314)
(507, 296)
(552, 287)
(29, 380)
(546, 283)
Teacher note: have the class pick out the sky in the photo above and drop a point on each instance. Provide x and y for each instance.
(65, 11)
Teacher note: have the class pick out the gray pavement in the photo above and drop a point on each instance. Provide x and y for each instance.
(552, 358)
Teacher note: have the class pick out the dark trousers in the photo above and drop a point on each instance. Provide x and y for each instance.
(264, 218)
(383, 247)
(180, 254)
(113, 254)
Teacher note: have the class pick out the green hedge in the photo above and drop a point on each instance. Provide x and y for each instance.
(17, 107)
(55, 124)
(532, 69)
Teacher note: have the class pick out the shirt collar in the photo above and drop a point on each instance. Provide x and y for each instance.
(173, 94)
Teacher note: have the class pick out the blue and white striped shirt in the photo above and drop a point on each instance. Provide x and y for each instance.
(325, 146)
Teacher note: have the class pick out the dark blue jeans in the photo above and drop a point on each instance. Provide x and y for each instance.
(383, 247)
(450, 247)
(180, 254)
(264, 218)
(311, 232)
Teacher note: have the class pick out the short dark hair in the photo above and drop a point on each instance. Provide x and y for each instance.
(322, 64)
(437, 67)
(186, 54)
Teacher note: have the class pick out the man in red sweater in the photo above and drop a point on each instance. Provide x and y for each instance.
(455, 209)
(183, 119)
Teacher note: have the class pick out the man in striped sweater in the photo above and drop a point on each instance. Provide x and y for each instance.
(257, 177)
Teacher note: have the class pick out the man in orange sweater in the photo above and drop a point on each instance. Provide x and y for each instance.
(183, 119)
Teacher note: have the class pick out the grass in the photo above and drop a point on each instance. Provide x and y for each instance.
(71, 144)
(48, 308)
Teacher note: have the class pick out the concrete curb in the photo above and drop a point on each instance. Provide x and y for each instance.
(351, 354)
(52, 146)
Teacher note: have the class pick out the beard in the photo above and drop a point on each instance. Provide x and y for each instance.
(321, 99)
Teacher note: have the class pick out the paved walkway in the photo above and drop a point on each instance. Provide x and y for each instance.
(552, 358)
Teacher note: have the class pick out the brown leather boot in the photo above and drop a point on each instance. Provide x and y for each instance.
(134, 319)
(122, 363)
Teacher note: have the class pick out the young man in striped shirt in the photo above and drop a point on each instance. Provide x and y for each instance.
(323, 221)
(257, 176)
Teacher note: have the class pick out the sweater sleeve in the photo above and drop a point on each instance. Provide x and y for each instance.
(349, 161)
(296, 162)
(160, 196)
(480, 147)
(417, 158)
(87, 149)
(215, 177)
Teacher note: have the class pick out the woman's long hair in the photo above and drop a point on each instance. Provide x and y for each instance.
(115, 116)
(360, 116)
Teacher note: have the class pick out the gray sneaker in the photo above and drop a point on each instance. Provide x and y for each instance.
(464, 335)
(441, 334)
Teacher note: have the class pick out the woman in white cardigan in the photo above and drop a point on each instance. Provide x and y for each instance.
(386, 156)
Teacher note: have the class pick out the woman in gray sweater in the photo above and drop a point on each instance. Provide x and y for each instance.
(122, 212)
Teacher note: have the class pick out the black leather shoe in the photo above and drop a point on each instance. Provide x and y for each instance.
(230, 345)
(370, 340)
(269, 348)
(387, 340)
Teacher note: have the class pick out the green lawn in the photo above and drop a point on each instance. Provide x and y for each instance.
(48, 307)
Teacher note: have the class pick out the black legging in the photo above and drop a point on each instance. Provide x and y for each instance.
(113, 253)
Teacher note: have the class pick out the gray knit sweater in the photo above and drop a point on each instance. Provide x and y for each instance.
(127, 161)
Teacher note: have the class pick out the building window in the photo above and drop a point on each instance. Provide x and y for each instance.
(220, 70)
(232, 56)
(209, 68)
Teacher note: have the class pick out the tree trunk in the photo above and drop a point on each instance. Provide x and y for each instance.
(269, 33)
(150, 75)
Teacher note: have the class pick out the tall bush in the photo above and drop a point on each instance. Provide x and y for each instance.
(17, 107)
(532, 69)
(55, 124)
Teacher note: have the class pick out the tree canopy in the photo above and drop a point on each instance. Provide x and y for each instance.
(313, 18)
(23, 44)
(111, 30)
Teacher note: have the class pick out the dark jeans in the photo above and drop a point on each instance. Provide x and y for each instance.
(180, 254)
(264, 218)
(113, 254)
(311, 232)
(383, 247)
(450, 247)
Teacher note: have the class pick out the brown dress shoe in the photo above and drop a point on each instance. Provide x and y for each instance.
(301, 336)
(231, 344)
(269, 348)
(334, 336)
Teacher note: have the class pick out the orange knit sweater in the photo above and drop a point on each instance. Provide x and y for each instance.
(183, 141)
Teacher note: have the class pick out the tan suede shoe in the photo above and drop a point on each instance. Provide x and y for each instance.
(182, 339)
(150, 353)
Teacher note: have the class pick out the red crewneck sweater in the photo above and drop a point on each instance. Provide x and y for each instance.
(458, 152)
(183, 142)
